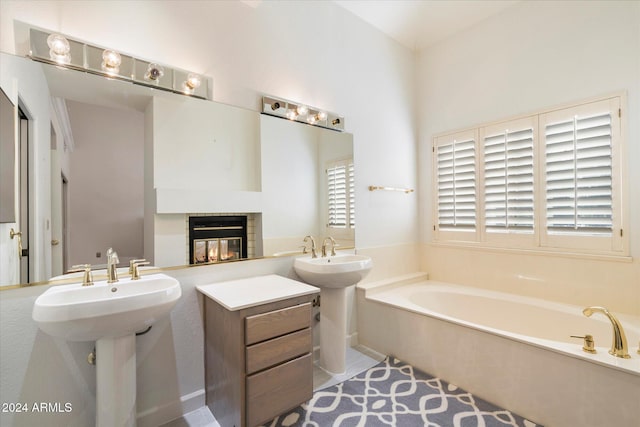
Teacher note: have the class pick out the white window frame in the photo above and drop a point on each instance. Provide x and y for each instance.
(617, 244)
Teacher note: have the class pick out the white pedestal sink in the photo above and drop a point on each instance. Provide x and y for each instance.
(110, 314)
(333, 275)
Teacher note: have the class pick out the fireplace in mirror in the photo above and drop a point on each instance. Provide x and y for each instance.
(217, 238)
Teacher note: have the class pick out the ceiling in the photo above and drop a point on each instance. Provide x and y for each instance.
(418, 24)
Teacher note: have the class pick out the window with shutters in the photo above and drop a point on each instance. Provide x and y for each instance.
(581, 166)
(456, 181)
(550, 181)
(508, 181)
(341, 195)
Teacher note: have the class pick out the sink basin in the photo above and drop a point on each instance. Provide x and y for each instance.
(337, 271)
(88, 313)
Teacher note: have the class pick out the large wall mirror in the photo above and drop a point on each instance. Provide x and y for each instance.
(127, 166)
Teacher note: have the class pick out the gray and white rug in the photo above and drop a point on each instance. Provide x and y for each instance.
(396, 394)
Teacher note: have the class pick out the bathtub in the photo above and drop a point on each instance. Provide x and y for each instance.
(511, 350)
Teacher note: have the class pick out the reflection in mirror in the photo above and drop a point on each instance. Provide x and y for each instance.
(116, 165)
(299, 184)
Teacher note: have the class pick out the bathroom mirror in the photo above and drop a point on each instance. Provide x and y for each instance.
(97, 163)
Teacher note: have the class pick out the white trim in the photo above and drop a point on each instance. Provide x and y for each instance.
(59, 110)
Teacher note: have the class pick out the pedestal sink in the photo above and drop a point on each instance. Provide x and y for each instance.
(333, 275)
(110, 314)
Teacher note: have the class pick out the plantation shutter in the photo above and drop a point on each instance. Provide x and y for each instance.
(509, 180)
(352, 196)
(340, 191)
(456, 183)
(578, 158)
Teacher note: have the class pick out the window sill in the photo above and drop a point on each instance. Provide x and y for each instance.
(534, 252)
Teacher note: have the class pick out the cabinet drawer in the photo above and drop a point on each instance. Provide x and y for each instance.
(276, 390)
(264, 326)
(269, 353)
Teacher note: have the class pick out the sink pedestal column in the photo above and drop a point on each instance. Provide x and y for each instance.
(333, 329)
(116, 381)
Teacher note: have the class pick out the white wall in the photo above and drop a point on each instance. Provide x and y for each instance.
(312, 51)
(534, 56)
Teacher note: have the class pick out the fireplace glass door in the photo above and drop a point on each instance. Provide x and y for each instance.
(214, 250)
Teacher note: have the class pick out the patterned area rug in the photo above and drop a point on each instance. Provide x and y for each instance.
(393, 393)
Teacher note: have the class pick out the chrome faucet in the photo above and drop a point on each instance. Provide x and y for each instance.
(333, 246)
(112, 266)
(314, 254)
(619, 343)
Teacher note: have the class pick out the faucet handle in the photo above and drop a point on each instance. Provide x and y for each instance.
(87, 280)
(135, 274)
(133, 262)
(589, 344)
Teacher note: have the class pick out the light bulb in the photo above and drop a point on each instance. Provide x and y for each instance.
(154, 72)
(191, 84)
(302, 110)
(322, 116)
(111, 61)
(59, 48)
(291, 114)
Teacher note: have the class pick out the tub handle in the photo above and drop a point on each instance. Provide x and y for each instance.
(589, 345)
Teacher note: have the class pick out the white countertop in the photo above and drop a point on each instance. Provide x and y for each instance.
(243, 293)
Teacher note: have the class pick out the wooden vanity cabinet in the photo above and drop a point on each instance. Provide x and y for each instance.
(258, 360)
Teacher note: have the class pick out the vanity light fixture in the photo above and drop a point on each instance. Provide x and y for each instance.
(59, 48)
(111, 61)
(302, 113)
(66, 52)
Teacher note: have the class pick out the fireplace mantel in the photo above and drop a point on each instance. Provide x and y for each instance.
(197, 200)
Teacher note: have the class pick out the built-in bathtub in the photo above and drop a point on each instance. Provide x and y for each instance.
(511, 350)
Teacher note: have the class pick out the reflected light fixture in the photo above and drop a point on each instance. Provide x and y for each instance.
(154, 72)
(302, 113)
(59, 48)
(111, 61)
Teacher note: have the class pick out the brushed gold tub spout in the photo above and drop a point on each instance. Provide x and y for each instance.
(619, 343)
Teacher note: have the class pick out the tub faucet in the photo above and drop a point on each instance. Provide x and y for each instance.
(112, 266)
(619, 343)
(314, 254)
(324, 246)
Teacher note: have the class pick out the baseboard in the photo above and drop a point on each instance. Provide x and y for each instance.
(171, 410)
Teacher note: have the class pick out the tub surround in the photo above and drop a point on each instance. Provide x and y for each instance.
(536, 376)
(258, 348)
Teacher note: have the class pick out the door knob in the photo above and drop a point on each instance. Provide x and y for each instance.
(17, 234)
